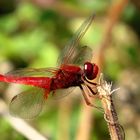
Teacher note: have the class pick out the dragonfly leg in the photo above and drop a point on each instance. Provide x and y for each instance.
(93, 93)
(46, 94)
(87, 100)
(87, 82)
(90, 85)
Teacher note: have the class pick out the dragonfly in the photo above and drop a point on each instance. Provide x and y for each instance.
(74, 70)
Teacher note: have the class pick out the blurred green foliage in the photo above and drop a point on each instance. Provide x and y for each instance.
(33, 36)
(7, 132)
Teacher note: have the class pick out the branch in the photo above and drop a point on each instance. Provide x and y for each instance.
(111, 117)
(112, 18)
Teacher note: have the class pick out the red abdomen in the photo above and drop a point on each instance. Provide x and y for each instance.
(42, 82)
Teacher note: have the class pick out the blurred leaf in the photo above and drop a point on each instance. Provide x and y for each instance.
(47, 56)
(27, 11)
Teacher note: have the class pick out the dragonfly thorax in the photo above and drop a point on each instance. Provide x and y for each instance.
(67, 76)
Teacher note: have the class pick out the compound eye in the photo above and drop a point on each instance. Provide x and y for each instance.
(90, 70)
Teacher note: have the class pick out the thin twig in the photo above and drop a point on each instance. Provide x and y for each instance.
(105, 93)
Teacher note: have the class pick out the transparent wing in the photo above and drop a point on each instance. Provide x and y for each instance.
(27, 104)
(71, 50)
(84, 54)
(46, 72)
(60, 93)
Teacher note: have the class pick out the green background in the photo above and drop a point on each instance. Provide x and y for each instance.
(33, 33)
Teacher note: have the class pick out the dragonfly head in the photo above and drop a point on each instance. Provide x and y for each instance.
(90, 70)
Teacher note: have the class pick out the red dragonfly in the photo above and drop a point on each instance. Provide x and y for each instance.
(74, 70)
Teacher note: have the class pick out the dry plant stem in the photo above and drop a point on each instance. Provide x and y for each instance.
(111, 118)
(112, 18)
